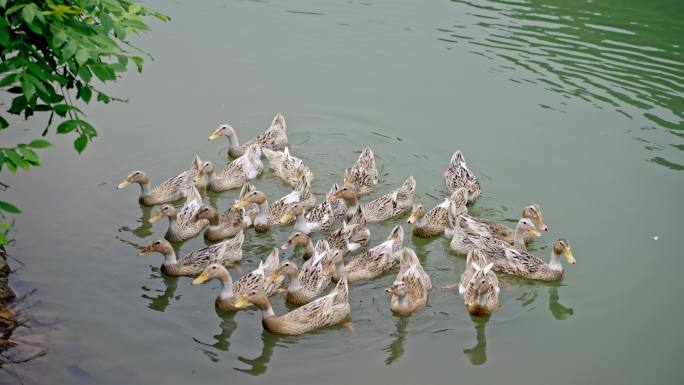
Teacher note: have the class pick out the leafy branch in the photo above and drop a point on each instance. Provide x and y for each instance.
(51, 53)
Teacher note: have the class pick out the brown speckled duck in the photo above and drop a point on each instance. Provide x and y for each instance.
(274, 138)
(181, 223)
(411, 287)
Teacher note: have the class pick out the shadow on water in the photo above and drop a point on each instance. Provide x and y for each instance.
(558, 311)
(259, 365)
(145, 227)
(396, 348)
(477, 355)
(626, 56)
(221, 340)
(162, 300)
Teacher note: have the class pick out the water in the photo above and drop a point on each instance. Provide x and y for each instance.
(576, 106)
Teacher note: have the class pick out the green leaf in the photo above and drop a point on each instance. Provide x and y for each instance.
(61, 110)
(5, 225)
(103, 73)
(82, 56)
(4, 32)
(67, 126)
(28, 13)
(28, 86)
(3, 239)
(138, 62)
(30, 155)
(102, 98)
(10, 208)
(18, 104)
(9, 79)
(16, 159)
(39, 143)
(80, 143)
(84, 73)
(3, 3)
(3, 123)
(85, 93)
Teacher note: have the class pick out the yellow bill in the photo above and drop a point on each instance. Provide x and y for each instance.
(155, 217)
(215, 135)
(569, 257)
(241, 204)
(286, 218)
(200, 279)
(124, 184)
(145, 251)
(242, 303)
(413, 218)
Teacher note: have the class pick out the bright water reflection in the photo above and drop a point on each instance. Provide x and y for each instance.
(626, 56)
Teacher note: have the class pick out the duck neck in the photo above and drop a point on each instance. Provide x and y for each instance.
(266, 309)
(233, 139)
(226, 285)
(144, 188)
(308, 250)
(519, 238)
(170, 257)
(421, 221)
(262, 216)
(212, 176)
(555, 262)
(294, 284)
(402, 302)
(214, 219)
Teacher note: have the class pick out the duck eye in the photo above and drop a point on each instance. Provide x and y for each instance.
(213, 267)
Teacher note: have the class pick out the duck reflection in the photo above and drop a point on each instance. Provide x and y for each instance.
(161, 302)
(396, 348)
(259, 365)
(221, 340)
(477, 355)
(145, 227)
(558, 311)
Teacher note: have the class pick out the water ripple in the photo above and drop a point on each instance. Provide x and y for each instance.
(625, 58)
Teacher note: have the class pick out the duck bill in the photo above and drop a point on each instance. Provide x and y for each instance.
(155, 217)
(242, 303)
(214, 135)
(123, 184)
(569, 257)
(413, 218)
(286, 245)
(274, 277)
(145, 251)
(540, 222)
(200, 279)
(391, 290)
(241, 203)
(535, 232)
(286, 218)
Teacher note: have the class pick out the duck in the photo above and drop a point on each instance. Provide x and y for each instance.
(287, 167)
(168, 191)
(479, 286)
(339, 208)
(349, 237)
(271, 214)
(231, 292)
(459, 175)
(237, 172)
(364, 174)
(297, 238)
(181, 224)
(320, 218)
(193, 263)
(328, 310)
(410, 289)
(226, 225)
(514, 262)
(462, 228)
(390, 205)
(511, 236)
(433, 223)
(312, 280)
(373, 262)
(274, 138)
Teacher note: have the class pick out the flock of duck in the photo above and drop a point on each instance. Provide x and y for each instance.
(491, 248)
